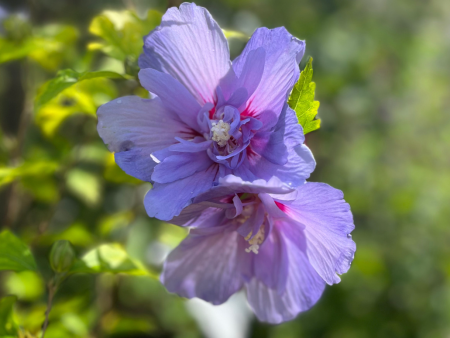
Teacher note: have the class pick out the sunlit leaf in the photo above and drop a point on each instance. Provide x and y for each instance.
(8, 326)
(230, 34)
(80, 98)
(120, 324)
(14, 254)
(48, 45)
(42, 188)
(77, 233)
(27, 169)
(26, 285)
(122, 32)
(116, 221)
(302, 100)
(85, 185)
(52, 44)
(110, 258)
(66, 78)
(11, 50)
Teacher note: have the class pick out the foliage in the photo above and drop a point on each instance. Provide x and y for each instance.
(302, 101)
(384, 137)
(122, 32)
(14, 254)
(8, 327)
(66, 78)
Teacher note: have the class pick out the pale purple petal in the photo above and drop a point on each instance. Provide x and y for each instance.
(281, 71)
(134, 128)
(230, 184)
(173, 94)
(271, 264)
(303, 289)
(207, 265)
(232, 89)
(198, 144)
(165, 201)
(328, 223)
(190, 46)
(300, 162)
(181, 165)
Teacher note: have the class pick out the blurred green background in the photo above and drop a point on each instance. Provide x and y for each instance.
(383, 79)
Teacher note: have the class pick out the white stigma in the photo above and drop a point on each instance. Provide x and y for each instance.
(220, 133)
(256, 241)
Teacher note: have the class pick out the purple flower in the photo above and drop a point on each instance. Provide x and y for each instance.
(210, 117)
(282, 245)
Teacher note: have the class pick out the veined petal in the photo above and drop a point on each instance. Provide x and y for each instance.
(260, 159)
(173, 94)
(133, 128)
(328, 223)
(281, 71)
(181, 165)
(303, 289)
(230, 184)
(205, 265)
(190, 46)
(200, 216)
(271, 264)
(167, 200)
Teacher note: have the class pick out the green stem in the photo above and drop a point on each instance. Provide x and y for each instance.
(52, 288)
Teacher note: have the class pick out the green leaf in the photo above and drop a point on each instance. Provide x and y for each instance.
(14, 254)
(66, 78)
(122, 32)
(27, 169)
(81, 98)
(85, 185)
(229, 34)
(302, 100)
(26, 285)
(8, 327)
(110, 258)
(49, 45)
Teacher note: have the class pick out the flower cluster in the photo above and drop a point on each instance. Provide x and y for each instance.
(226, 157)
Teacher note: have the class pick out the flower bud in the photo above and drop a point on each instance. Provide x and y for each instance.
(62, 256)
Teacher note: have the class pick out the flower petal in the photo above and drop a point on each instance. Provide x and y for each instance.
(205, 265)
(271, 264)
(190, 46)
(133, 128)
(167, 200)
(181, 165)
(303, 289)
(328, 223)
(173, 94)
(300, 161)
(230, 184)
(281, 71)
(200, 216)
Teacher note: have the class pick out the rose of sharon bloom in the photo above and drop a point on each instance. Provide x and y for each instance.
(282, 245)
(211, 117)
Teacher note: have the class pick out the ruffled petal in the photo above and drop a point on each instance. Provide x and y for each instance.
(271, 263)
(173, 94)
(328, 223)
(230, 184)
(205, 265)
(133, 128)
(200, 216)
(190, 46)
(303, 289)
(261, 160)
(181, 165)
(281, 71)
(167, 200)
